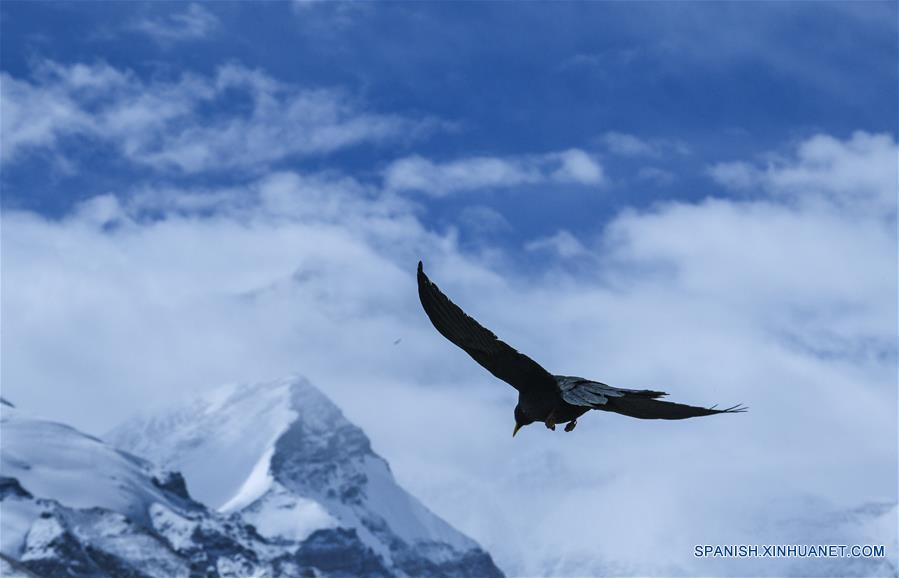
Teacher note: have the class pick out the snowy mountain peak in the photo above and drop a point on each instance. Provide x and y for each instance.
(73, 505)
(282, 456)
(220, 441)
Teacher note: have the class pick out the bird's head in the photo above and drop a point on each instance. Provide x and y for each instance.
(521, 420)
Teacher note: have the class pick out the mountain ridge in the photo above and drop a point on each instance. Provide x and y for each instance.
(302, 501)
(306, 457)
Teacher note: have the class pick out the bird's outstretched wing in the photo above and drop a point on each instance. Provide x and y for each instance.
(496, 356)
(640, 403)
(648, 408)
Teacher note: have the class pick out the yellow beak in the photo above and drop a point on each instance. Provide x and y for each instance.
(515, 431)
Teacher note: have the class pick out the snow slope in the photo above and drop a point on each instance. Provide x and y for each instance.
(222, 441)
(71, 505)
(57, 462)
(287, 460)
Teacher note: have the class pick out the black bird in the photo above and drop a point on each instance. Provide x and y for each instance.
(552, 399)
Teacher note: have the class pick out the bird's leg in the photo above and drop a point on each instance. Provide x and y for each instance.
(571, 425)
(550, 422)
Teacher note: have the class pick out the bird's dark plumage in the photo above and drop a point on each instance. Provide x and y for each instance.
(542, 396)
(496, 356)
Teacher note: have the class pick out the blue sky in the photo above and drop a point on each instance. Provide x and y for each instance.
(692, 197)
(723, 80)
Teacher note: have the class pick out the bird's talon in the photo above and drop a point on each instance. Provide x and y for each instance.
(551, 425)
(571, 425)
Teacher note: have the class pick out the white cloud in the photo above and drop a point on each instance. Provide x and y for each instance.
(735, 175)
(194, 22)
(629, 145)
(37, 117)
(626, 144)
(323, 17)
(656, 175)
(419, 174)
(563, 243)
(788, 307)
(859, 173)
(483, 219)
(162, 124)
(578, 167)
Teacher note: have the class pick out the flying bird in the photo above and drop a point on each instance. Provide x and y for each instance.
(543, 397)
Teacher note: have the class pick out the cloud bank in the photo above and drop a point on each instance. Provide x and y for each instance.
(858, 174)
(783, 299)
(236, 119)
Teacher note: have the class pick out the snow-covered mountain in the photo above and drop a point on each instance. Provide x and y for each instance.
(72, 505)
(286, 487)
(296, 488)
(282, 456)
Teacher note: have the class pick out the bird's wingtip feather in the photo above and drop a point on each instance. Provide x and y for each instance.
(739, 408)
